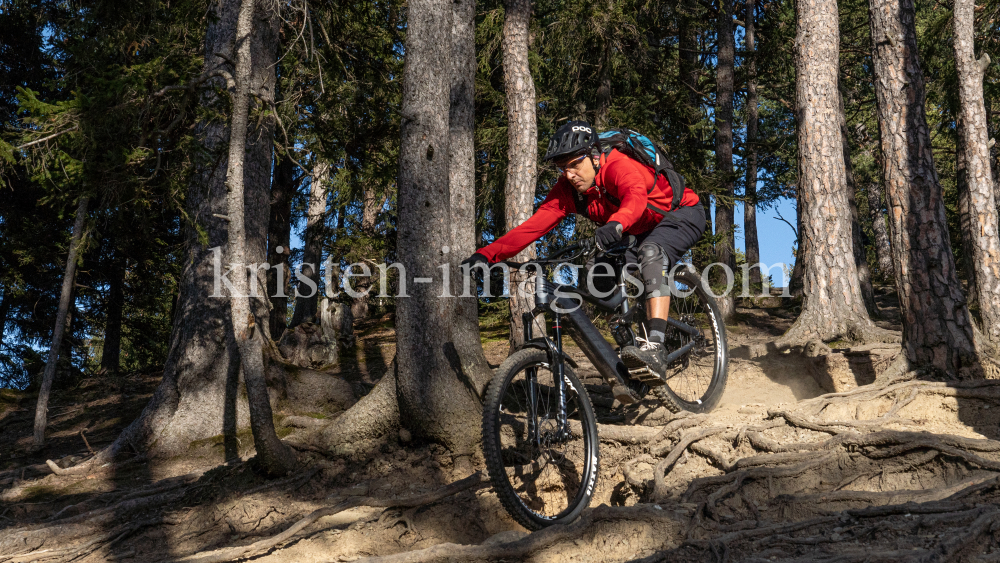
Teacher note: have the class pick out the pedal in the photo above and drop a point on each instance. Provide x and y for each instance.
(646, 375)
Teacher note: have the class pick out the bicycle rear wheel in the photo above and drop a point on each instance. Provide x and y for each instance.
(542, 476)
(696, 380)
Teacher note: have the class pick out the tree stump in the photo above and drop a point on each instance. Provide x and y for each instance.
(337, 321)
(841, 369)
(306, 346)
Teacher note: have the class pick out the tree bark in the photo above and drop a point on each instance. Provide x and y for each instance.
(461, 180)
(434, 402)
(983, 236)
(750, 191)
(857, 237)
(966, 215)
(312, 255)
(876, 212)
(603, 75)
(832, 305)
(937, 330)
(725, 248)
(433, 384)
(522, 152)
(797, 281)
(65, 296)
(198, 397)
(275, 457)
(111, 351)
(279, 233)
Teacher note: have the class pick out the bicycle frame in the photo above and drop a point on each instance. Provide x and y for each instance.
(565, 303)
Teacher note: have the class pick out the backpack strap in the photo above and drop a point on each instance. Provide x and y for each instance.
(618, 202)
(675, 180)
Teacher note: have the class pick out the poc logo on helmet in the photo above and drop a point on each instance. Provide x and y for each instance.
(581, 128)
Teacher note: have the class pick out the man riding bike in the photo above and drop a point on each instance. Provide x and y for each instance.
(622, 195)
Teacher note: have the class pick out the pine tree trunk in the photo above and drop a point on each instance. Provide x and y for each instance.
(604, 76)
(857, 236)
(797, 281)
(111, 352)
(198, 397)
(832, 305)
(522, 152)
(434, 402)
(937, 330)
(983, 235)
(65, 296)
(279, 233)
(312, 255)
(462, 178)
(274, 456)
(371, 205)
(966, 215)
(876, 211)
(750, 193)
(994, 150)
(725, 249)
(691, 142)
(432, 387)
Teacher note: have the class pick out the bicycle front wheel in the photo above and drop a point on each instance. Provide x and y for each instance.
(696, 380)
(543, 471)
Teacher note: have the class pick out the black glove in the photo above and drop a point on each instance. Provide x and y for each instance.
(475, 259)
(608, 235)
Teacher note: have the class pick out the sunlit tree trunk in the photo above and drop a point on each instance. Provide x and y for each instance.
(522, 152)
(199, 394)
(434, 402)
(983, 235)
(750, 205)
(725, 249)
(312, 254)
(937, 329)
(832, 305)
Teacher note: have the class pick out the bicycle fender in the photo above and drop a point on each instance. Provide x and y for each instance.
(541, 344)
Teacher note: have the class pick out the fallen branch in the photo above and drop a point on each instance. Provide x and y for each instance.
(265, 544)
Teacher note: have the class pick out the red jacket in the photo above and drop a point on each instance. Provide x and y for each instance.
(620, 179)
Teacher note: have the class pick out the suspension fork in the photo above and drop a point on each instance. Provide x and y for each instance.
(559, 371)
(532, 376)
(558, 367)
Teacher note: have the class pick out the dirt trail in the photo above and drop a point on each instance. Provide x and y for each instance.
(778, 472)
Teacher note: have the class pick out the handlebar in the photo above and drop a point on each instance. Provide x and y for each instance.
(585, 246)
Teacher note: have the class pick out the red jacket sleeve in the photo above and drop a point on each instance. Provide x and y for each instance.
(628, 179)
(557, 205)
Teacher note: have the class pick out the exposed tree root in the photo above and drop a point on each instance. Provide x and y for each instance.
(71, 523)
(557, 539)
(373, 418)
(261, 546)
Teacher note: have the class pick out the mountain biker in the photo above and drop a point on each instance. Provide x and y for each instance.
(618, 193)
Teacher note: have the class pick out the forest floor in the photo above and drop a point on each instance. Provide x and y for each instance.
(780, 471)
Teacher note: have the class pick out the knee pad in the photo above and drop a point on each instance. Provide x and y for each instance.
(652, 264)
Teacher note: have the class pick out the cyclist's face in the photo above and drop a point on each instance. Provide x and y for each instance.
(579, 171)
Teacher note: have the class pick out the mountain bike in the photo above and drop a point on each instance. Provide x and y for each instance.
(539, 429)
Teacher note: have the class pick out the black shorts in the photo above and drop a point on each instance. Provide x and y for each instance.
(656, 252)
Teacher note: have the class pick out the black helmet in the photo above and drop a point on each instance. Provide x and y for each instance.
(573, 138)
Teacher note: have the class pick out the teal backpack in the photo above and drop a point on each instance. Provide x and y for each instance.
(638, 147)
